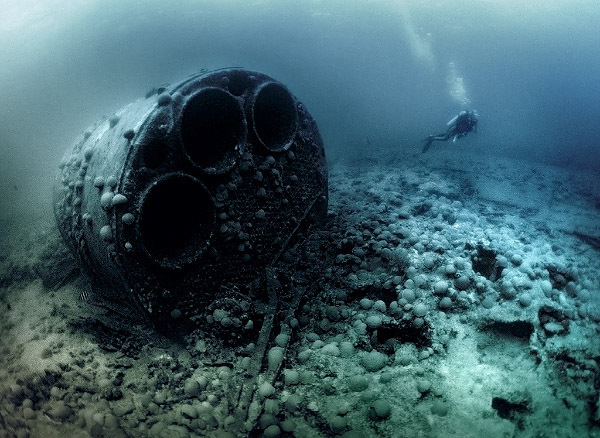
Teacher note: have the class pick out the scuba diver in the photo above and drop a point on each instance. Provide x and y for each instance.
(463, 123)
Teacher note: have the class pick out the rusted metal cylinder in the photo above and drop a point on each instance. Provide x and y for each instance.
(192, 190)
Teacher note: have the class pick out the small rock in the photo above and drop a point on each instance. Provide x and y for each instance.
(439, 408)
(106, 232)
(423, 386)
(111, 422)
(160, 397)
(331, 349)
(16, 389)
(346, 349)
(516, 259)
(99, 182)
(304, 356)
(373, 361)
(440, 287)
(358, 383)
(525, 300)
(282, 339)
(98, 418)
(87, 153)
(275, 357)
(112, 181)
(409, 295)
(386, 378)
(338, 424)
(291, 377)
(272, 431)
(118, 199)
(29, 414)
(366, 303)
(546, 286)
(462, 283)
(60, 411)
(445, 303)
(379, 306)
(373, 321)
(293, 403)
(191, 388)
(420, 309)
(106, 199)
(380, 409)
(266, 390)
(488, 302)
(553, 328)
(188, 411)
(288, 425)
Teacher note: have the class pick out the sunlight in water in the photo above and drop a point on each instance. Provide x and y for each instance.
(419, 44)
(28, 14)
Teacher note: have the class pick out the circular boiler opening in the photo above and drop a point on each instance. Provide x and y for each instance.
(275, 116)
(177, 220)
(212, 125)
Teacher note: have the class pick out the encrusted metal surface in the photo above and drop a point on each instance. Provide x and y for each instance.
(180, 200)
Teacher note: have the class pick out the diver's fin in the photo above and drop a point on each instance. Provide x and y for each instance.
(428, 142)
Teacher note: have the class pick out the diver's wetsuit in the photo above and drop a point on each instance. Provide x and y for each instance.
(463, 123)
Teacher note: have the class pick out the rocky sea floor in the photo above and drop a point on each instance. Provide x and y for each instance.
(454, 296)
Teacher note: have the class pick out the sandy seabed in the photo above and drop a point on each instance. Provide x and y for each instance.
(459, 297)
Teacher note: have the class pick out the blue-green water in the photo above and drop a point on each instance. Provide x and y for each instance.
(459, 294)
(371, 72)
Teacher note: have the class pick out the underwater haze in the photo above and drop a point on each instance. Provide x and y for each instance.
(376, 75)
(213, 269)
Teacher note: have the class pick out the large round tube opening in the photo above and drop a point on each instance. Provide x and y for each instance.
(275, 117)
(177, 220)
(212, 126)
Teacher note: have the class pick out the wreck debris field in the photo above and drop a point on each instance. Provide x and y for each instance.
(299, 219)
(456, 296)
